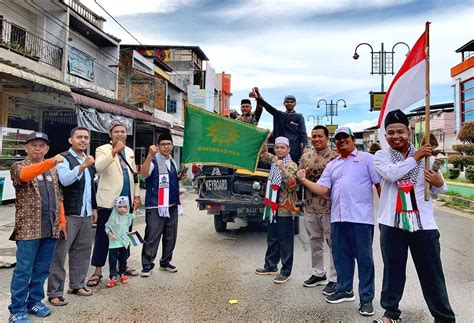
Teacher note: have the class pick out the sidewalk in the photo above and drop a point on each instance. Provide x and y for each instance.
(7, 224)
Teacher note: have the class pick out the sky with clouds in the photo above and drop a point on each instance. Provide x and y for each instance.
(301, 47)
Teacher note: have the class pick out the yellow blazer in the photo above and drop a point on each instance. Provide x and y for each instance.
(111, 175)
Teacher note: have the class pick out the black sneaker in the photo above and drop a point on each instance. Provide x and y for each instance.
(366, 309)
(339, 297)
(281, 279)
(169, 268)
(314, 281)
(330, 289)
(265, 271)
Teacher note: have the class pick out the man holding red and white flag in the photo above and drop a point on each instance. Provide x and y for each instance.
(406, 218)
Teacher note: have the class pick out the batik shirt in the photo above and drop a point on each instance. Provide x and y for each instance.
(252, 117)
(315, 162)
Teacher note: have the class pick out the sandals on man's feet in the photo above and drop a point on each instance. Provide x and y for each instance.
(61, 301)
(94, 280)
(80, 291)
(381, 320)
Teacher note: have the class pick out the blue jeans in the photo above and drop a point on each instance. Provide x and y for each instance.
(33, 258)
(350, 242)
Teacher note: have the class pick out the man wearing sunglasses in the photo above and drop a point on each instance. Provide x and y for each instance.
(288, 124)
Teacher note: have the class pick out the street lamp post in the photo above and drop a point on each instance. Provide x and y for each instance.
(331, 108)
(382, 61)
(317, 119)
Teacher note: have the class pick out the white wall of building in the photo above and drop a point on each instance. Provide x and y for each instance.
(105, 77)
(210, 80)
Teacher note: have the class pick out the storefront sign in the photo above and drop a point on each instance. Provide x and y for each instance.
(332, 128)
(80, 64)
(376, 100)
(97, 121)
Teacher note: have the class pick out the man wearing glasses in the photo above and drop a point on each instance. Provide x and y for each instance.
(161, 203)
(287, 124)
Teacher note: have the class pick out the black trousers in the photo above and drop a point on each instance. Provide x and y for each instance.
(159, 228)
(101, 244)
(280, 245)
(119, 255)
(425, 250)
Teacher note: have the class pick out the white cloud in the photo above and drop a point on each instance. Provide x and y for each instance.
(301, 8)
(314, 60)
(361, 125)
(126, 7)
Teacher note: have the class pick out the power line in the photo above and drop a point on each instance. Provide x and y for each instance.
(118, 23)
(63, 26)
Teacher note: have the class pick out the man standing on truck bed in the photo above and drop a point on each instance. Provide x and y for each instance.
(317, 211)
(287, 124)
(280, 199)
(247, 115)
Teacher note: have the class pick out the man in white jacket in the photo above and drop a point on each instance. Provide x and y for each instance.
(406, 221)
(115, 163)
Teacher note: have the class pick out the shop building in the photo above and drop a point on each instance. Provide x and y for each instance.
(58, 69)
(222, 94)
(463, 84)
(146, 83)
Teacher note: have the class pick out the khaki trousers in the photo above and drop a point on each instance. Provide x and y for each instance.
(318, 227)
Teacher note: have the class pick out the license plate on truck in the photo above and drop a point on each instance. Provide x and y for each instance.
(249, 210)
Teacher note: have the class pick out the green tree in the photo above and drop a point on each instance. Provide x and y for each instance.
(466, 149)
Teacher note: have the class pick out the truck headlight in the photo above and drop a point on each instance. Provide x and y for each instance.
(256, 186)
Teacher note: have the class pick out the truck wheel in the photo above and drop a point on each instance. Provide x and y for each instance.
(296, 225)
(219, 223)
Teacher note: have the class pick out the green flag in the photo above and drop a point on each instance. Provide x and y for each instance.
(212, 139)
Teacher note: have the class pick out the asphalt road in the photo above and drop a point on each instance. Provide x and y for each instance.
(215, 268)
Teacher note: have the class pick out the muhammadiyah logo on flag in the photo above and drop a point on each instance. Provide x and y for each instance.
(221, 135)
(212, 139)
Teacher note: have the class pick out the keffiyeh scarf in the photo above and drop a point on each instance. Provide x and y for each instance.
(407, 215)
(163, 186)
(273, 185)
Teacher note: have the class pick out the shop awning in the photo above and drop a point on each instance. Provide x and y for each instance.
(7, 69)
(116, 109)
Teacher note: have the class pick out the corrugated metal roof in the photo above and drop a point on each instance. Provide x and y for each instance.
(116, 109)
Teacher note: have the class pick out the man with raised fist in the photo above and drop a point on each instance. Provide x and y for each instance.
(76, 176)
(39, 222)
(115, 162)
(162, 205)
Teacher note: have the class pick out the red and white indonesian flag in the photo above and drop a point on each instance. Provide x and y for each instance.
(408, 86)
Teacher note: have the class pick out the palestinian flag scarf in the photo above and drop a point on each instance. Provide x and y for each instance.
(407, 215)
(273, 186)
(163, 186)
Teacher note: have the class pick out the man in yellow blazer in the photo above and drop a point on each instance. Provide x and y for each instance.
(115, 163)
